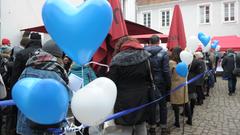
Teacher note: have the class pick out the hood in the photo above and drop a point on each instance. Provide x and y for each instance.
(130, 57)
(230, 54)
(154, 50)
(34, 44)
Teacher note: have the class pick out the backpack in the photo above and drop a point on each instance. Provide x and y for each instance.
(238, 60)
(211, 79)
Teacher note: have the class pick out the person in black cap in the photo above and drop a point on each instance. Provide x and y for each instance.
(30, 45)
(159, 60)
(22, 56)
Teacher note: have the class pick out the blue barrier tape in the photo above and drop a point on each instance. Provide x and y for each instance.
(7, 103)
(124, 112)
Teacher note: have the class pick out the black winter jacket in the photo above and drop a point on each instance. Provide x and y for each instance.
(21, 59)
(228, 65)
(197, 67)
(129, 71)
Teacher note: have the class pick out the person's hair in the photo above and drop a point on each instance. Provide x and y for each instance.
(176, 54)
(154, 39)
(120, 42)
(230, 50)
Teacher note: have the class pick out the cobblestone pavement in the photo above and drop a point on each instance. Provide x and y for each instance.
(219, 115)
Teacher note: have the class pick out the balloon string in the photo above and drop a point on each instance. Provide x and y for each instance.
(103, 65)
(83, 76)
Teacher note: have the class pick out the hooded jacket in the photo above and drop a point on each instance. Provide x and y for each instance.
(160, 67)
(129, 71)
(228, 65)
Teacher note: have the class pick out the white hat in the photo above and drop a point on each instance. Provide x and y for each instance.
(198, 55)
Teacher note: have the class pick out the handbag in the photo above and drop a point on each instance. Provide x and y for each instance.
(236, 70)
(154, 92)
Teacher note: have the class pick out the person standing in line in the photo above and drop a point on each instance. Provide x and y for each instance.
(88, 75)
(200, 82)
(45, 63)
(196, 68)
(161, 75)
(228, 65)
(129, 70)
(179, 97)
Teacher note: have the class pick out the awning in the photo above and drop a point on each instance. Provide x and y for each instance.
(133, 29)
(228, 42)
(144, 38)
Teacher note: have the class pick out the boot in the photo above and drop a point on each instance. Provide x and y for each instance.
(152, 131)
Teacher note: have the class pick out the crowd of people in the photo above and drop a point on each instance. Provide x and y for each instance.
(141, 73)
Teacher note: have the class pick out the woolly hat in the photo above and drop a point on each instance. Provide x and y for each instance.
(51, 47)
(198, 55)
(6, 41)
(35, 36)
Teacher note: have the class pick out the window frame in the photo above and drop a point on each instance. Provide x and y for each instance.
(229, 11)
(170, 17)
(147, 12)
(199, 13)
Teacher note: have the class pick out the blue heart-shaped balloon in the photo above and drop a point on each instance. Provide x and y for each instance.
(44, 101)
(200, 34)
(214, 44)
(182, 69)
(78, 31)
(204, 39)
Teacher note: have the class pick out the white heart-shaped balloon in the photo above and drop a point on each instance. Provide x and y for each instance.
(206, 48)
(92, 104)
(192, 43)
(186, 57)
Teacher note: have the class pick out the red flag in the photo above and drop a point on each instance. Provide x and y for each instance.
(118, 30)
(176, 35)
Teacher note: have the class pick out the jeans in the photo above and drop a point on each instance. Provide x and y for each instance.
(23, 127)
(232, 84)
(139, 129)
(163, 113)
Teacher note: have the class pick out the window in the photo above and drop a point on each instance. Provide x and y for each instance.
(165, 16)
(204, 11)
(147, 19)
(229, 12)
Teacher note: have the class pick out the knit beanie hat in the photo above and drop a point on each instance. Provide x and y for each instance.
(198, 55)
(6, 41)
(35, 36)
(51, 47)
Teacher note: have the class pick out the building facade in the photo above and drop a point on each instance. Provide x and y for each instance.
(20, 14)
(213, 17)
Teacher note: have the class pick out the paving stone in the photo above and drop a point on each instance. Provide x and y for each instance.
(219, 115)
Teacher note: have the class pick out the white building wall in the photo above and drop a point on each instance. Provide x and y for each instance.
(130, 10)
(20, 14)
(190, 13)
